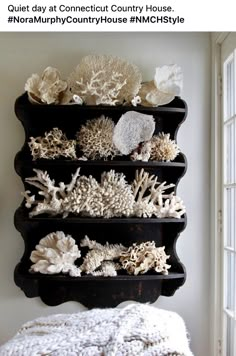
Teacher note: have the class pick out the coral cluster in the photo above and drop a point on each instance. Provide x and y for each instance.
(106, 80)
(54, 144)
(112, 197)
(48, 88)
(57, 253)
(95, 138)
(132, 129)
(140, 258)
(100, 258)
(163, 148)
(167, 83)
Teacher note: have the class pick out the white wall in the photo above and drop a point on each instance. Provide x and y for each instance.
(25, 53)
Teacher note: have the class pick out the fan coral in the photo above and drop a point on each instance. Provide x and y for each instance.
(167, 83)
(47, 89)
(106, 80)
(56, 253)
(53, 145)
(163, 148)
(95, 138)
(144, 257)
(131, 129)
(95, 261)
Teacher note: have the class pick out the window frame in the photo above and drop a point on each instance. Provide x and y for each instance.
(217, 199)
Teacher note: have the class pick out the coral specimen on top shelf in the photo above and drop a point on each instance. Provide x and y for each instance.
(54, 144)
(140, 258)
(167, 83)
(95, 138)
(132, 129)
(48, 88)
(100, 258)
(112, 197)
(163, 148)
(105, 80)
(56, 253)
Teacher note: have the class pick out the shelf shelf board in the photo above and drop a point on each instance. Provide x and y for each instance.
(22, 103)
(60, 162)
(21, 214)
(88, 278)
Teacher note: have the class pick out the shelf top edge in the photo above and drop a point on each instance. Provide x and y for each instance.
(89, 278)
(21, 214)
(23, 101)
(59, 162)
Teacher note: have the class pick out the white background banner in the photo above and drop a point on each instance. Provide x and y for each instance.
(122, 15)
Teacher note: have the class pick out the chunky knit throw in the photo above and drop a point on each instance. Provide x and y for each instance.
(136, 330)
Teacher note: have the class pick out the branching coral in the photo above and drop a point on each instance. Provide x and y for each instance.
(56, 253)
(132, 129)
(95, 138)
(112, 197)
(95, 261)
(167, 83)
(106, 80)
(83, 195)
(53, 196)
(163, 148)
(148, 194)
(54, 144)
(48, 89)
(144, 257)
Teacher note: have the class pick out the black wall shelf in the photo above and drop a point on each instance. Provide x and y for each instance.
(88, 290)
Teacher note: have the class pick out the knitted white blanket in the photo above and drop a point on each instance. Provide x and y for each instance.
(136, 330)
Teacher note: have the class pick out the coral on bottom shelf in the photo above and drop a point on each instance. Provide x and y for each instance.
(113, 196)
(57, 253)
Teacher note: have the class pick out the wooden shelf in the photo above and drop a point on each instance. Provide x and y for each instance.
(88, 290)
(97, 291)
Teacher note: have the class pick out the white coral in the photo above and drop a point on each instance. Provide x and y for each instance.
(53, 196)
(106, 80)
(54, 144)
(167, 83)
(169, 79)
(142, 153)
(141, 258)
(56, 253)
(132, 129)
(118, 199)
(112, 197)
(96, 259)
(48, 88)
(163, 148)
(95, 138)
(150, 200)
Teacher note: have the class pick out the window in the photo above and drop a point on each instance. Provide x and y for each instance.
(228, 123)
